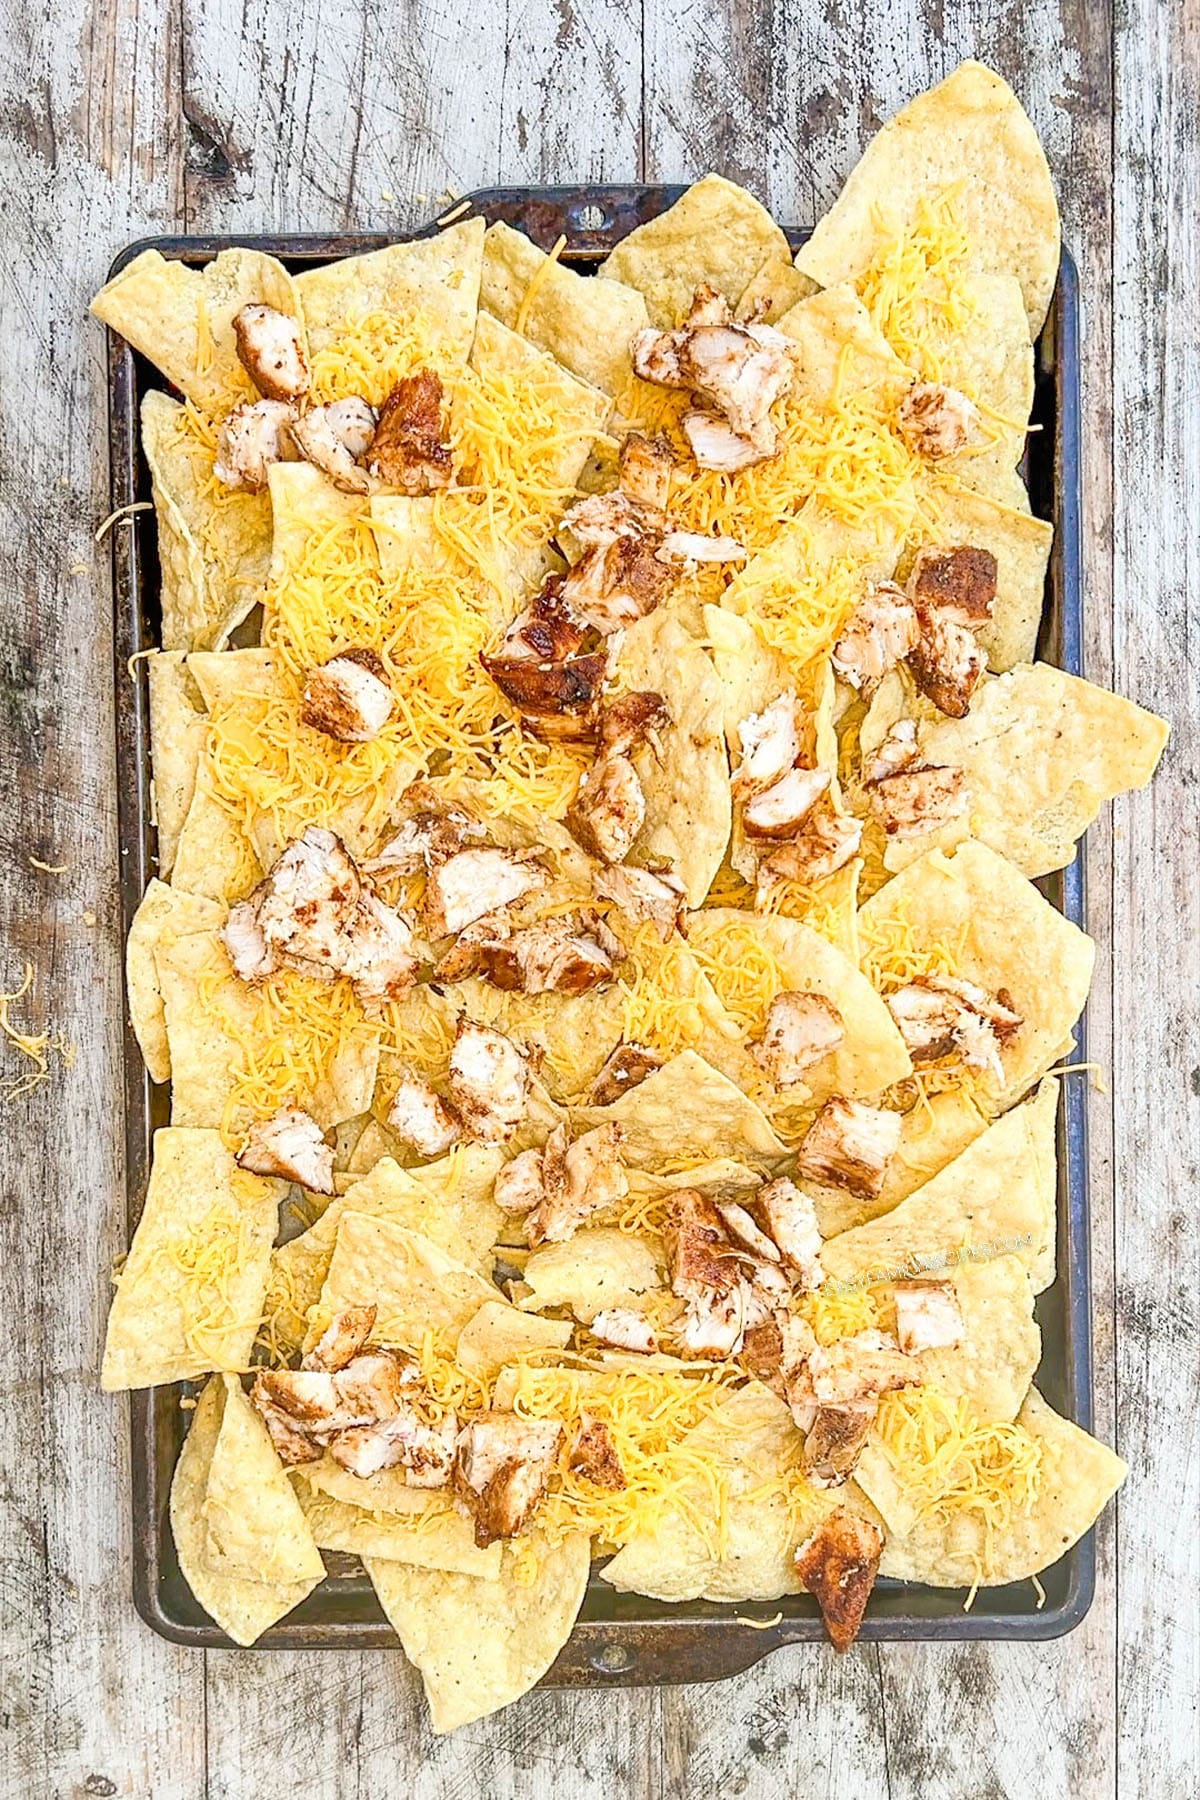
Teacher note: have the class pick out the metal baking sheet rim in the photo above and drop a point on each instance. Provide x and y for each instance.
(638, 1641)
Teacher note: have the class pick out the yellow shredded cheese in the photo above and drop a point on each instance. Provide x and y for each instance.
(536, 282)
(38, 1047)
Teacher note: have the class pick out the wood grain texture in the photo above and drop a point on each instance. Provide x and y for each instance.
(209, 115)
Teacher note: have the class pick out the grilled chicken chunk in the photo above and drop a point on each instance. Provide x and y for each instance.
(959, 583)
(289, 1146)
(567, 955)
(791, 1219)
(488, 1081)
(779, 811)
(598, 520)
(744, 1230)
(420, 1116)
(633, 719)
(947, 664)
(940, 1015)
(624, 1329)
(424, 1451)
(797, 1342)
(770, 745)
(255, 435)
(501, 1471)
(690, 547)
(270, 347)
(473, 883)
(379, 956)
(736, 371)
(348, 698)
(644, 896)
(850, 1145)
(918, 799)
(828, 841)
(252, 957)
(324, 437)
(302, 915)
(577, 1180)
(835, 1441)
(954, 592)
(716, 445)
(936, 420)
(928, 1316)
(838, 1564)
(618, 583)
(626, 1068)
(593, 1454)
(645, 469)
(343, 1338)
(609, 809)
(879, 634)
(801, 1029)
(519, 1187)
(556, 700)
(433, 829)
(319, 1403)
(352, 421)
(706, 1275)
(762, 1353)
(409, 451)
(860, 1368)
(546, 631)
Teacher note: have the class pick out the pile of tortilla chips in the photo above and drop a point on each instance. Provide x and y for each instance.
(937, 262)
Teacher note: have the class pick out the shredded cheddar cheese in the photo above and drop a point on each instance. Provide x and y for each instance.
(950, 1463)
(38, 1047)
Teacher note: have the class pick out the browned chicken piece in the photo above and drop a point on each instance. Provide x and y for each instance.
(779, 811)
(488, 1081)
(633, 719)
(835, 1442)
(578, 1179)
(423, 1451)
(918, 799)
(617, 584)
(593, 1454)
(762, 1353)
(954, 592)
(646, 466)
(797, 1342)
(433, 831)
(546, 631)
(791, 1219)
(626, 1068)
(352, 421)
(624, 1329)
(928, 1316)
(557, 700)
(370, 1385)
(473, 883)
(941, 1015)
(292, 1443)
(829, 840)
(302, 909)
(378, 955)
(420, 1116)
(689, 547)
(645, 896)
(609, 809)
(291, 1147)
(253, 436)
(801, 1030)
(738, 372)
(770, 745)
(936, 420)
(959, 583)
(409, 450)
(598, 520)
(860, 1368)
(706, 1275)
(567, 955)
(767, 1288)
(270, 347)
(252, 957)
(850, 1145)
(342, 1339)
(744, 1230)
(348, 698)
(305, 1409)
(501, 1471)
(838, 1564)
(716, 445)
(898, 751)
(947, 664)
(519, 1187)
(325, 438)
(879, 634)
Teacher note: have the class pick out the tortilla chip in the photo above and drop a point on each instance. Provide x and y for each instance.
(482, 1644)
(227, 675)
(385, 1492)
(751, 674)
(433, 282)
(182, 318)
(164, 913)
(500, 1334)
(995, 929)
(686, 1103)
(586, 321)
(213, 855)
(436, 1537)
(1021, 545)
(189, 1297)
(989, 356)
(242, 1608)
(304, 506)
(996, 1199)
(414, 1286)
(178, 731)
(936, 1130)
(715, 233)
(1077, 1478)
(255, 1526)
(969, 134)
(688, 808)
(840, 349)
(597, 1268)
(774, 289)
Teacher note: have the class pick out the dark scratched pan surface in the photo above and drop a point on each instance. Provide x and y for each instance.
(620, 1639)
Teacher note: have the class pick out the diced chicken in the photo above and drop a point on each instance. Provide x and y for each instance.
(694, 547)
(716, 445)
(409, 450)
(617, 584)
(919, 799)
(762, 1353)
(767, 1288)
(546, 631)
(519, 1186)
(850, 1145)
(838, 1564)
(860, 1368)
(343, 1338)
(567, 955)
(352, 421)
(743, 1230)
(433, 830)
(947, 664)
(941, 1015)
(378, 955)
(801, 1030)
(270, 347)
(251, 955)
(958, 583)
(369, 1387)
(321, 1403)
(737, 371)
(501, 1471)
(609, 809)
(791, 1219)
(598, 520)
(404, 1441)
(835, 1442)
(348, 698)
(253, 436)
(324, 438)
(420, 1116)
(626, 1068)
(779, 811)
(633, 719)
(472, 883)
(829, 840)
(954, 592)
(797, 1342)
(291, 1441)
(557, 700)
(306, 904)
(624, 1329)
(577, 1180)
(770, 745)
(645, 896)
(879, 634)
(928, 1316)
(936, 420)
(646, 466)
(593, 1454)
(488, 1081)
(291, 1147)
(706, 1275)
(898, 751)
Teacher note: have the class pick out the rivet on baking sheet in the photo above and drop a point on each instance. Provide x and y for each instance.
(612, 1659)
(589, 218)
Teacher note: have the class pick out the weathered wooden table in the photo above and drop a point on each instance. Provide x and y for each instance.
(202, 115)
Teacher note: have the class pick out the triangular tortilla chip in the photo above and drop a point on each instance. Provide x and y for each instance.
(436, 1537)
(255, 1526)
(433, 282)
(840, 350)
(932, 1133)
(500, 1334)
(687, 1102)
(178, 731)
(163, 913)
(599, 1267)
(414, 1286)
(213, 856)
(716, 233)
